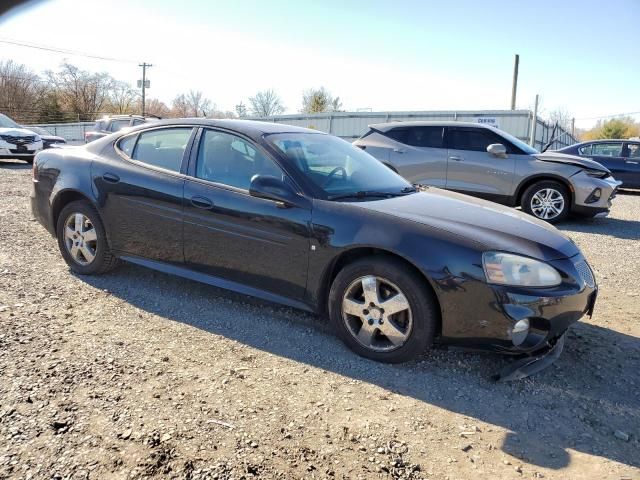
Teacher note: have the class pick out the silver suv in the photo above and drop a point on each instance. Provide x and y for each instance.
(486, 162)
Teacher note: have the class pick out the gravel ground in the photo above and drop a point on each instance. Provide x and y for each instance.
(138, 374)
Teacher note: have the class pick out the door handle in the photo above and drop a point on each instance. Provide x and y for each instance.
(399, 150)
(456, 158)
(632, 162)
(201, 202)
(111, 177)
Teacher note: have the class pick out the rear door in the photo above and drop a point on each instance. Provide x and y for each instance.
(471, 169)
(232, 235)
(419, 154)
(140, 189)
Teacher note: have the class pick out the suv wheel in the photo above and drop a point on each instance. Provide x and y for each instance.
(547, 200)
(82, 240)
(382, 311)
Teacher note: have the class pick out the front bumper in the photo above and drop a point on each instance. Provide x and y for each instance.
(488, 322)
(593, 196)
(27, 151)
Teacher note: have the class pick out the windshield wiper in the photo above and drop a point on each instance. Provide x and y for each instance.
(371, 194)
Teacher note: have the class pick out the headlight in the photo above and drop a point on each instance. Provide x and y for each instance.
(509, 269)
(37, 138)
(596, 173)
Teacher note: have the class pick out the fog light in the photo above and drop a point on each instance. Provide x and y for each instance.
(594, 196)
(520, 331)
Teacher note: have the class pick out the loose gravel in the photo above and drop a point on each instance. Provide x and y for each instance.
(137, 374)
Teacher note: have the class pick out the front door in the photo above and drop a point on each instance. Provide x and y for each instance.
(232, 235)
(140, 192)
(631, 155)
(471, 169)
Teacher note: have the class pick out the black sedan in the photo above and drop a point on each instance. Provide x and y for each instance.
(305, 219)
(48, 140)
(621, 157)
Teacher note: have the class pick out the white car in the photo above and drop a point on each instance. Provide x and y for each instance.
(17, 142)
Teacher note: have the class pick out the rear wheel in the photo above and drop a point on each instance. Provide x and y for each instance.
(82, 240)
(547, 200)
(382, 310)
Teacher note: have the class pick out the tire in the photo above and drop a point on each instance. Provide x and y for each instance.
(547, 190)
(96, 257)
(29, 160)
(413, 330)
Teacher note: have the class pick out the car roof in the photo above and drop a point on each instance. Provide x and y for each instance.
(608, 140)
(252, 128)
(385, 127)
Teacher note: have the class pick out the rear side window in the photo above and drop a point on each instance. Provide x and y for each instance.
(127, 144)
(586, 150)
(430, 137)
(117, 125)
(607, 149)
(137, 121)
(474, 139)
(634, 150)
(162, 148)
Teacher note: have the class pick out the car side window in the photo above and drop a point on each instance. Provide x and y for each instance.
(230, 160)
(117, 125)
(586, 150)
(424, 137)
(137, 121)
(398, 134)
(613, 149)
(162, 148)
(126, 144)
(474, 139)
(634, 150)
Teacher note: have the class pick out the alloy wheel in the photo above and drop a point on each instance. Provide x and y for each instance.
(547, 203)
(377, 314)
(80, 238)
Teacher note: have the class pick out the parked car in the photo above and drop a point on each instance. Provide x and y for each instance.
(17, 142)
(621, 157)
(48, 140)
(302, 218)
(114, 123)
(485, 162)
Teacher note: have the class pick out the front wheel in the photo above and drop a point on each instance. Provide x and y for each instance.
(82, 240)
(547, 200)
(382, 310)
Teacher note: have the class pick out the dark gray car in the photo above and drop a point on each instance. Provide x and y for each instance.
(486, 162)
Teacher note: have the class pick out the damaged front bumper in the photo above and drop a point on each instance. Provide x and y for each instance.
(532, 364)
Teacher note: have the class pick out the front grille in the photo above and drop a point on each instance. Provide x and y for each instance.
(585, 273)
(18, 140)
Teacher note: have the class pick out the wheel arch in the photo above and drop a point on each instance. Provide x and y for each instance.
(357, 253)
(527, 182)
(64, 198)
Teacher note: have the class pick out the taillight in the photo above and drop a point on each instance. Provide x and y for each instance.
(34, 170)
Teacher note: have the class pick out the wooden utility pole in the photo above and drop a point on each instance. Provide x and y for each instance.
(144, 81)
(514, 87)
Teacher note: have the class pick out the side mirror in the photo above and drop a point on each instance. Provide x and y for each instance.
(273, 188)
(497, 150)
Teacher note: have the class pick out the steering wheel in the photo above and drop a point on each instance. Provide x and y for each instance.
(333, 174)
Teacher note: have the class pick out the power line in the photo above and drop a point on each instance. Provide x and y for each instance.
(610, 116)
(62, 50)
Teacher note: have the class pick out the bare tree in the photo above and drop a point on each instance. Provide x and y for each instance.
(562, 117)
(83, 93)
(20, 91)
(123, 99)
(192, 104)
(266, 103)
(153, 106)
(241, 110)
(320, 100)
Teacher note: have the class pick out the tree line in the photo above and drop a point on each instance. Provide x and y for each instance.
(70, 94)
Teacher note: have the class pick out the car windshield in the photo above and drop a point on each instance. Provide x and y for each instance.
(6, 122)
(38, 130)
(519, 143)
(338, 168)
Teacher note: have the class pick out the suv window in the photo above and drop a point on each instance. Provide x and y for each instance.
(475, 139)
(613, 149)
(230, 160)
(418, 136)
(634, 150)
(117, 125)
(137, 121)
(162, 148)
(586, 150)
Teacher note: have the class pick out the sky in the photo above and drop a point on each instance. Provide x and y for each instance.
(581, 56)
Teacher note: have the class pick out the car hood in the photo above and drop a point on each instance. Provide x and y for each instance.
(557, 157)
(17, 132)
(494, 226)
